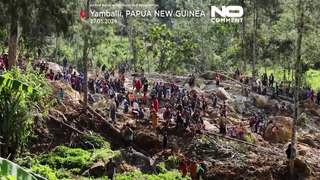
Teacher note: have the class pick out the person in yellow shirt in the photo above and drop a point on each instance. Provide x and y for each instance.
(154, 118)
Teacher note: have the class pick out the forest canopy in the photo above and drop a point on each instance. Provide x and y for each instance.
(264, 41)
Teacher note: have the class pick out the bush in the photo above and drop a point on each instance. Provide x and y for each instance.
(172, 162)
(97, 141)
(161, 167)
(104, 154)
(64, 151)
(45, 171)
(303, 119)
(26, 162)
(171, 175)
(63, 174)
(64, 157)
(76, 171)
(249, 138)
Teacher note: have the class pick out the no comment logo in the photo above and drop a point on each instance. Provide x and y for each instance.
(231, 14)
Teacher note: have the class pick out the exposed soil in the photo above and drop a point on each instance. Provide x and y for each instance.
(257, 165)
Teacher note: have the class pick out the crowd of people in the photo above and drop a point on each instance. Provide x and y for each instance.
(177, 107)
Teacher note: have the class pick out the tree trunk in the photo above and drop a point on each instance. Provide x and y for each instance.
(254, 39)
(85, 63)
(56, 60)
(296, 89)
(133, 48)
(13, 45)
(243, 40)
(284, 75)
(161, 62)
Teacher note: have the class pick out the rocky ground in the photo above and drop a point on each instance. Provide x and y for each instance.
(262, 157)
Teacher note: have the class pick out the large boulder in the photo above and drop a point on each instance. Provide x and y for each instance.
(137, 159)
(317, 138)
(202, 86)
(283, 121)
(54, 67)
(303, 150)
(209, 87)
(309, 105)
(302, 168)
(222, 94)
(207, 75)
(282, 133)
(233, 115)
(313, 112)
(239, 106)
(261, 101)
(240, 103)
(147, 140)
(96, 170)
(272, 103)
(309, 140)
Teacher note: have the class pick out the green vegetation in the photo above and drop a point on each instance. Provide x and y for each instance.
(10, 170)
(104, 155)
(96, 141)
(279, 37)
(64, 162)
(44, 170)
(67, 158)
(303, 119)
(161, 167)
(171, 175)
(20, 94)
(172, 162)
(312, 79)
(175, 45)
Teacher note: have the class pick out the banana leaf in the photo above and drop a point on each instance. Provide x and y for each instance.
(10, 170)
(6, 81)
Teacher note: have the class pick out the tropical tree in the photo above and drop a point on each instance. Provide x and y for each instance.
(33, 17)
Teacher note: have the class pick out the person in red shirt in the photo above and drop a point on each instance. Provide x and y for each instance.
(138, 85)
(155, 104)
(217, 78)
(184, 167)
(144, 97)
(51, 75)
(312, 96)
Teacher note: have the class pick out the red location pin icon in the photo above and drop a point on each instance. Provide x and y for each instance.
(83, 14)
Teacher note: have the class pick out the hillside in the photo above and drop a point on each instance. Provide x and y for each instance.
(225, 157)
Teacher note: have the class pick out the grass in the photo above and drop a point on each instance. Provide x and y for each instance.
(310, 78)
(103, 155)
(313, 78)
(64, 162)
(277, 72)
(44, 170)
(68, 158)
